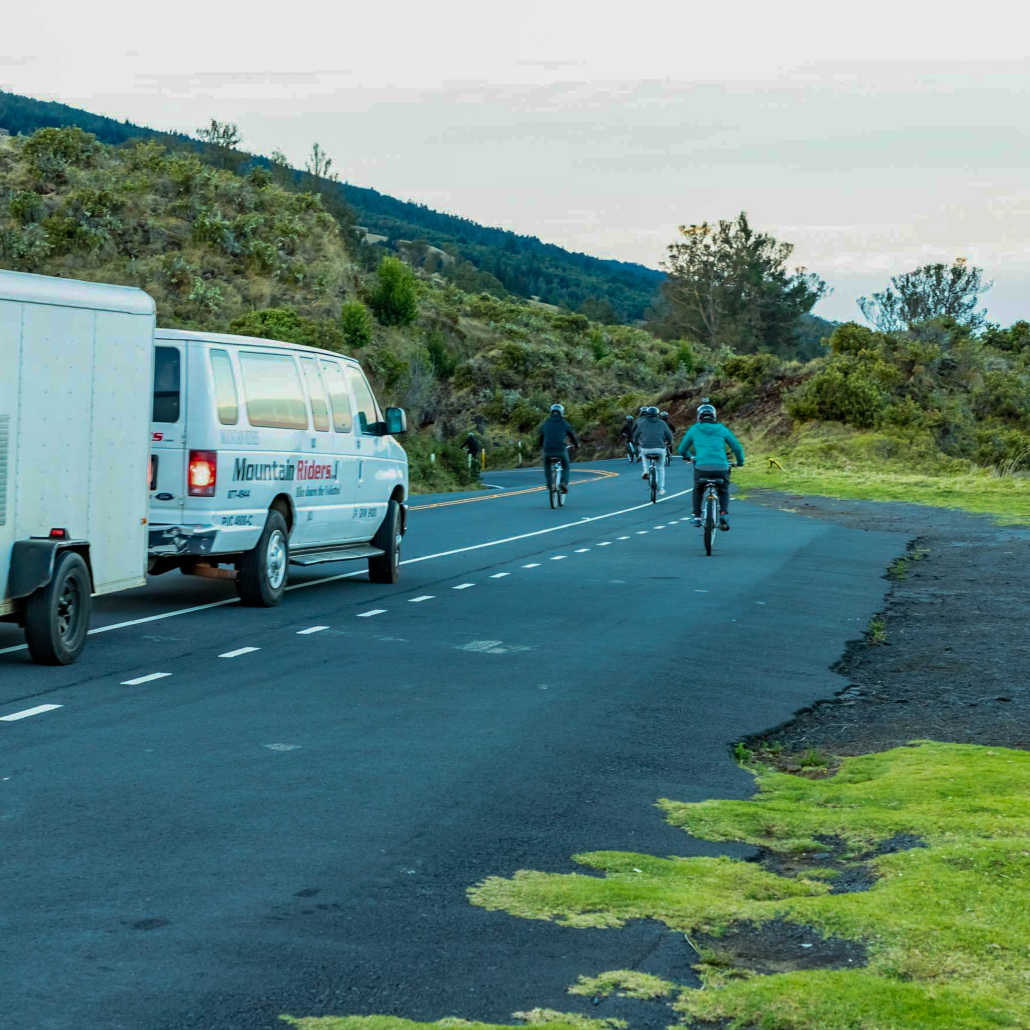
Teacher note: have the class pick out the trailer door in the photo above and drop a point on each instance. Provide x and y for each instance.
(168, 434)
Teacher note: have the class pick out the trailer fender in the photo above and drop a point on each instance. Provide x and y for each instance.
(33, 560)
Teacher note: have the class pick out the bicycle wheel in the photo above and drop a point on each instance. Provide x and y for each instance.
(561, 497)
(654, 483)
(709, 524)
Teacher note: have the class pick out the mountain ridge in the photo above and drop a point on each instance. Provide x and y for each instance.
(524, 265)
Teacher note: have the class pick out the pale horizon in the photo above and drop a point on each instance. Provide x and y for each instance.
(872, 151)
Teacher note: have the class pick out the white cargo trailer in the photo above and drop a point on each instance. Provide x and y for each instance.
(76, 366)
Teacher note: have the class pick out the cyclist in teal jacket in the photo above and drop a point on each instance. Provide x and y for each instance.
(705, 443)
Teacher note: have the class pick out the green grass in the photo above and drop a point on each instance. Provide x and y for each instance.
(947, 926)
(877, 631)
(837, 461)
(545, 1019)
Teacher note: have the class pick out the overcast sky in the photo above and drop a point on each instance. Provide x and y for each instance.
(892, 137)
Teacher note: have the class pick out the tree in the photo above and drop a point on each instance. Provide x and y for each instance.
(320, 164)
(394, 301)
(730, 285)
(223, 138)
(930, 291)
(279, 165)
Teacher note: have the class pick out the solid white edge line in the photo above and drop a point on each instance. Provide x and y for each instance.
(350, 575)
(145, 679)
(38, 710)
(310, 629)
(238, 652)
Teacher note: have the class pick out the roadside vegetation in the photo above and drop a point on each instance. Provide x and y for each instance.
(931, 406)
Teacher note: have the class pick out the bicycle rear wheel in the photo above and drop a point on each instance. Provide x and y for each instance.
(709, 524)
(654, 484)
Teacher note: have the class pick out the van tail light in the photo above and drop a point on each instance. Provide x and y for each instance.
(202, 474)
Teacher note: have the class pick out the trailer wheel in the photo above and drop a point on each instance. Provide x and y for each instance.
(57, 615)
(386, 567)
(262, 571)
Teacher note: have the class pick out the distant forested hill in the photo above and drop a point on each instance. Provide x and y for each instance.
(477, 256)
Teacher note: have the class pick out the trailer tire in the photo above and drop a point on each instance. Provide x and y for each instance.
(261, 572)
(386, 567)
(57, 615)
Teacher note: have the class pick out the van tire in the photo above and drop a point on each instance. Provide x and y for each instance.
(386, 567)
(57, 615)
(262, 572)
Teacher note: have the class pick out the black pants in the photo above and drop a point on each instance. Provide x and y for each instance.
(563, 455)
(723, 477)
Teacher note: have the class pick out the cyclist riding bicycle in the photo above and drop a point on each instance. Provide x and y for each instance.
(664, 416)
(707, 440)
(626, 433)
(652, 436)
(553, 434)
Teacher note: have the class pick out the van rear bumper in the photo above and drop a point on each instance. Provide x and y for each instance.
(184, 540)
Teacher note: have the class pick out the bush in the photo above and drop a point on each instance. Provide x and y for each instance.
(844, 391)
(355, 325)
(286, 325)
(394, 301)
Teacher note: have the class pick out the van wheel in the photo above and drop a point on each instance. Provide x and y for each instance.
(57, 615)
(261, 573)
(386, 567)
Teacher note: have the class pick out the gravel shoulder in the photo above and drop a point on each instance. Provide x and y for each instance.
(953, 661)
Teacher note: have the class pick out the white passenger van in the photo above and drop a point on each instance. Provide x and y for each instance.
(266, 454)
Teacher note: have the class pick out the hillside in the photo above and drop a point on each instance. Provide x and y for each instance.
(241, 253)
(522, 265)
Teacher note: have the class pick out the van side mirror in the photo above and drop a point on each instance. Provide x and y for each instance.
(396, 421)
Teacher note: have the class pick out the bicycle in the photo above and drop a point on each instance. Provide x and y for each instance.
(631, 452)
(710, 510)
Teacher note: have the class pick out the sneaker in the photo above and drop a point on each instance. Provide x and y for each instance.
(644, 476)
(564, 489)
(724, 525)
(661, 493)
(696, 522)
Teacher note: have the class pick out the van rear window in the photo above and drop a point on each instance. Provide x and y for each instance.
(275, 399)
(167, 384)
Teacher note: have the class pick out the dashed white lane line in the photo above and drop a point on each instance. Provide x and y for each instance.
(238, 652)
(606, 543)
(463, 586)
(558, 557)
(145, 679)
(641, 532)
(623, 537)
(582, 550)
(500, 575)
(38, 710)
(350, 575)
(423, 597)
(660, 527)
(310, 629)
(371, 612)
(532, 565)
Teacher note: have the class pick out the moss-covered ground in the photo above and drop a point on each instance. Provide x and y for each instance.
(945, 922)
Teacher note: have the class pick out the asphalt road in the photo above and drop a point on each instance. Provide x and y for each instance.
(292, 829)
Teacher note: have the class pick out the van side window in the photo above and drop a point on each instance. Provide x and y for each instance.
(225, 388)
(368, 412)
(316, 391)
(343, 422)
(275, 399)
(167, 384)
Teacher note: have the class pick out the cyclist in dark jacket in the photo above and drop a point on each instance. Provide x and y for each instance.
(552, 439)
(471, 444)
(626, 434)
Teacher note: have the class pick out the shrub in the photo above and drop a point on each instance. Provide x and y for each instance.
(394, 301)
(26, 207)
(286, 325)
(846, 390)
(355, 325)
